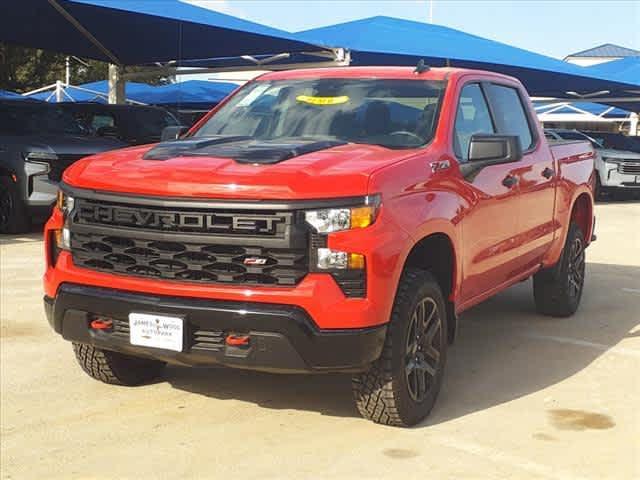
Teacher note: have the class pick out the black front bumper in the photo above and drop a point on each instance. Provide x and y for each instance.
(282, 338)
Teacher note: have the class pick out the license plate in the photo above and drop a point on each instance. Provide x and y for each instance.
(156, 331)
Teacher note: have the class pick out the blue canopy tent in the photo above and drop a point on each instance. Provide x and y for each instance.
(10, 95)
(392, 41)
(587, 108)
(626, 69)
(133, 32)
(193, 94)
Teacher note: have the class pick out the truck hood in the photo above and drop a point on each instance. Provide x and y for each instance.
(337, 171)
(619, 154)
(69, 144)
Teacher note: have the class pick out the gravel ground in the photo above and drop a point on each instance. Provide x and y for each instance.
(524, 396)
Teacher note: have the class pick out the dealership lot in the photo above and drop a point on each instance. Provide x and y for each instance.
(525, 396)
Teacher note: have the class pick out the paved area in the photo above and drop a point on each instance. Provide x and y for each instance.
(525, 397)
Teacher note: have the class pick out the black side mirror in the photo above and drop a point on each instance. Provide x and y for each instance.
(173, 132)
(495, 149)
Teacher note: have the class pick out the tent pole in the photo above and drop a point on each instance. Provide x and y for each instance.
(71, 19)
(633, 124)
(59, 91)
(116, 84)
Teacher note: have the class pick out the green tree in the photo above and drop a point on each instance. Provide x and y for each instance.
(23, 69)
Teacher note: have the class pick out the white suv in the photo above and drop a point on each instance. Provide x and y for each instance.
(617, 169)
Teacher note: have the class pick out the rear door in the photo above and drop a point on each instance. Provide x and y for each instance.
(535, 173)
(491, 222)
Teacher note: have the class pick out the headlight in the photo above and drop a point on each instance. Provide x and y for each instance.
(610, 160)
(64, 203)
(39, 162)
(329, 220)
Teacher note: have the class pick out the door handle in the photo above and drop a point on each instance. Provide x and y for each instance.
(548, 172)
(509, 181)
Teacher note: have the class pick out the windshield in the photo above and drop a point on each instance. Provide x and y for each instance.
(391, 113)
(41, 119)
(618, 141)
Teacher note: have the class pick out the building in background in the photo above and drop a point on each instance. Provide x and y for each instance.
(601, 54)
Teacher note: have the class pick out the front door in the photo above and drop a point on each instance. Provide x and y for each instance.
(491, 221)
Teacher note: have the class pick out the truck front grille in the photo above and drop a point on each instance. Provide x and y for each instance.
(189, 242)
(629, 168)
(189, 262)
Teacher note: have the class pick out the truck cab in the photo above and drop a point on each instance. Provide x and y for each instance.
(321, 220)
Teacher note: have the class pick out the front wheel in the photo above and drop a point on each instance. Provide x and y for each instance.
(116, 368)
(557, 291)
(401, 387)
(13, 215)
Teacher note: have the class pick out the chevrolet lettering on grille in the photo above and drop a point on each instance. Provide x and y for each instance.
(192, 221)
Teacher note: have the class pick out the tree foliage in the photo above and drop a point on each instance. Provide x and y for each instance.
(23, 69)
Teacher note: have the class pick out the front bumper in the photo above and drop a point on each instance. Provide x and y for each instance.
(282, 338)
(611, 177)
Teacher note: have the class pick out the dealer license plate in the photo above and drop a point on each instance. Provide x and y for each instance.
(148, 330)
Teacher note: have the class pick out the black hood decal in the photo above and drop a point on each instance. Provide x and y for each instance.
(241, 149)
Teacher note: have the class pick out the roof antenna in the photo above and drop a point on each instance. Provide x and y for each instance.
(421, 67)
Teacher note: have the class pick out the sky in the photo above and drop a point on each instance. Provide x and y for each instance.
(552, 27)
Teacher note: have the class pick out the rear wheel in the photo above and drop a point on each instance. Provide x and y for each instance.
(116, 368)
(13, 216)
(401, 387)
(557, 291)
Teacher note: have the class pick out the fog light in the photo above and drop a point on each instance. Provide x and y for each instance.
(336, 260)
(330, 259)
(63, 239)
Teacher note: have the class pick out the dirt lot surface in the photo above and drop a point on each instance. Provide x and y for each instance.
(525, 397)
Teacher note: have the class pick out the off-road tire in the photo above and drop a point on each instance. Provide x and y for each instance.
(13, 215)
(382, 394)
(554, 290)
(116, 368)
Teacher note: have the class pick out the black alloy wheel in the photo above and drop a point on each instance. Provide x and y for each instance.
(423, 345)
(576, 267)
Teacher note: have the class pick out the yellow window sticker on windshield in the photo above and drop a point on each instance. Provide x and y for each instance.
(322, 100)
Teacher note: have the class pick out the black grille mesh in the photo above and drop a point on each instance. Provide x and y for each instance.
(190, 262)
(632, 169)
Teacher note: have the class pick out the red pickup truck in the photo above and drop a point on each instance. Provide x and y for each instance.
(334, 220)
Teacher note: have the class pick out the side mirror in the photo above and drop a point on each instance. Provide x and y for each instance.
(173, 132)
(495, 149)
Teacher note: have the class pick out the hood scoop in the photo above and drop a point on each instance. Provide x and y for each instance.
(240, 149)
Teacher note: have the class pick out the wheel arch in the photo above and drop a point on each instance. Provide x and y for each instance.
(5, 172)
(436, 253)
(582, 215)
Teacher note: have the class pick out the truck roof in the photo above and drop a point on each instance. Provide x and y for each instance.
(440, 73)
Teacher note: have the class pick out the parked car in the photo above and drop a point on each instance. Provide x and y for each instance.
(616, 141)
(618, 168)
(342, 229)
(133, 124)
(38, 141)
